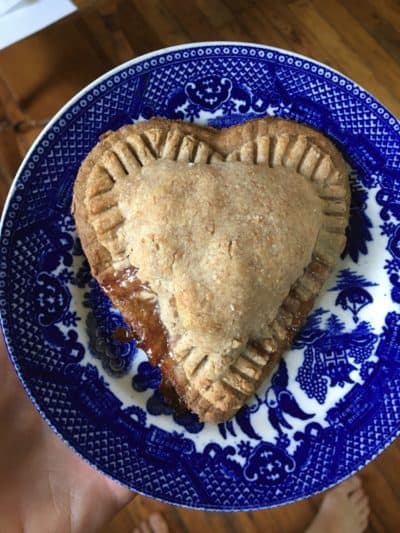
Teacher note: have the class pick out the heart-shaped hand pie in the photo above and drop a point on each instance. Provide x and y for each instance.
(213, 244)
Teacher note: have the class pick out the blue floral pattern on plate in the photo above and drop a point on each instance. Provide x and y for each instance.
(332, 404)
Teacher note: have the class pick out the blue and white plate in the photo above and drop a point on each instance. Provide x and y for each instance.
(334, 401)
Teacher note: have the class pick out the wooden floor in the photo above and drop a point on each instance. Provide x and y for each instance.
(358, 37)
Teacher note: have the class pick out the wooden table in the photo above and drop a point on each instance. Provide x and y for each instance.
(358, 37)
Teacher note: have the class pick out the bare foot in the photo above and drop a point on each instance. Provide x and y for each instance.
(154, 524)
(344, 509)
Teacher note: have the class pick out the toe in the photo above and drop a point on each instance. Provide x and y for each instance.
(364, 524)
(158, 524)
(364, 511)
(351, 484)
(361, 504)
(145, 528)
(357, 496)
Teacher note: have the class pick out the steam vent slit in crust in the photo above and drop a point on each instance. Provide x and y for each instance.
(213, 244)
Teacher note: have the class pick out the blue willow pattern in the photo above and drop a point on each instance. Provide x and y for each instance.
(348, 364)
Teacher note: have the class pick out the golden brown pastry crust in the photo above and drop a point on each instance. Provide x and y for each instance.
(158, 195)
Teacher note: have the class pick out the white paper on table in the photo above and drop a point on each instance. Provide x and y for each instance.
(22, 18)
(7, 5)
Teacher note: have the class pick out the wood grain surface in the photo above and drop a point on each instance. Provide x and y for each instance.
(38, 75)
